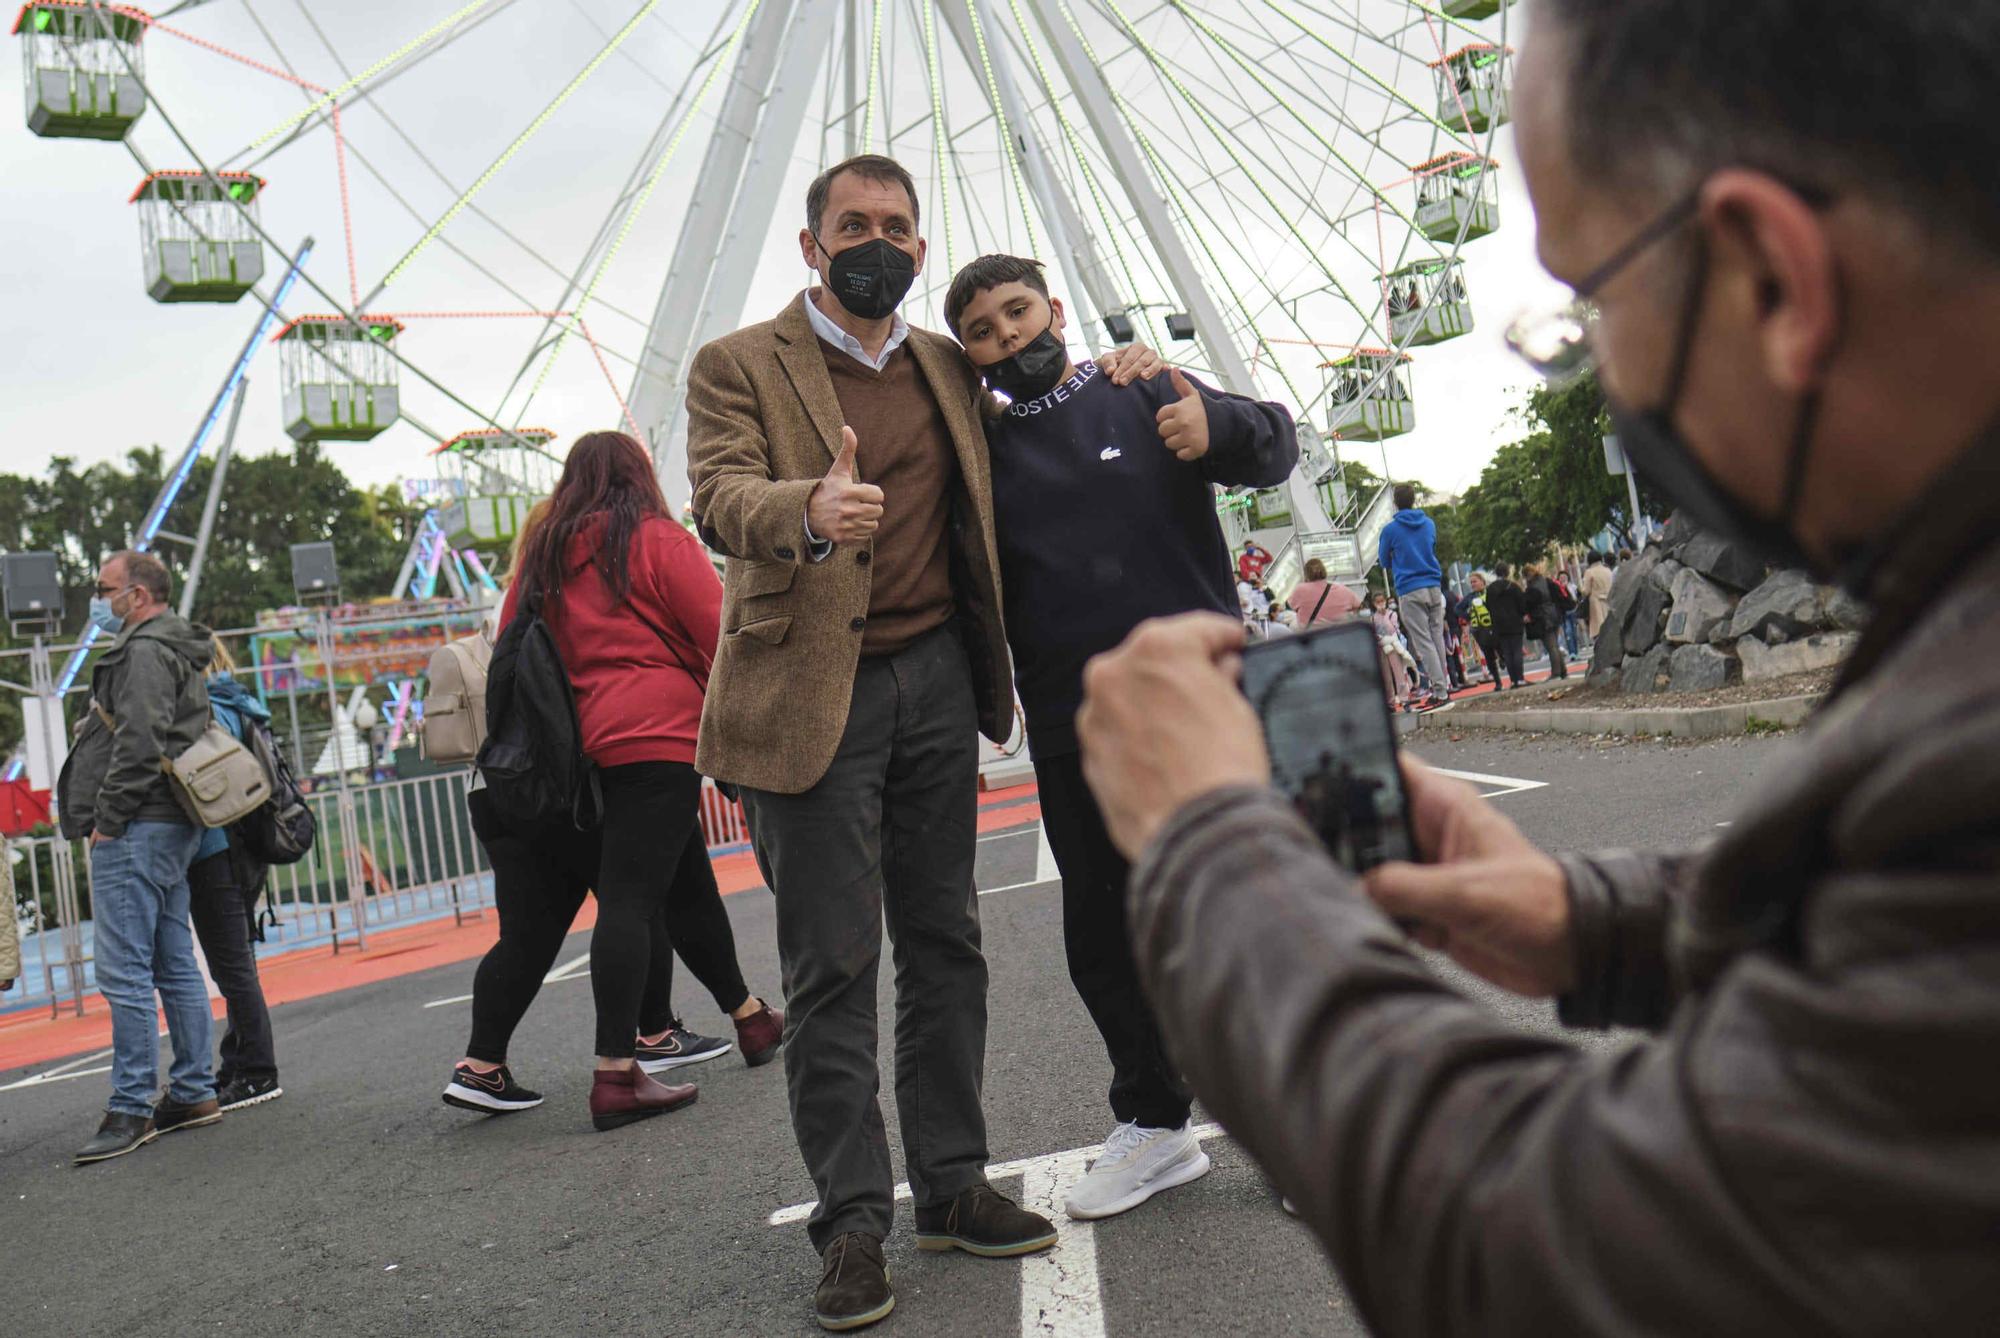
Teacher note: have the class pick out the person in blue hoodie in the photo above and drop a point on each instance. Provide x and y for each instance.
(1408, 553)
(223, 882)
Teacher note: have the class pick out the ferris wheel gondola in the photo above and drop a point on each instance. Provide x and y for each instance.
(1226, 181)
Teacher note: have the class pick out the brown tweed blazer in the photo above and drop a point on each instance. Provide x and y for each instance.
(763, 428)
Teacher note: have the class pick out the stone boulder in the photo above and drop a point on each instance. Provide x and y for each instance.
(1787, 605)
(1700, 669)
(1642, 622)
(1723, 561)
(1606, 652)
(1647, 673)
(1840, 610)
(1821, 650)
(1630, 578)
(1664, 573)
(1699, 605)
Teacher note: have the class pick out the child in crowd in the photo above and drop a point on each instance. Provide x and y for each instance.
(1399, 667)
(1124, 477)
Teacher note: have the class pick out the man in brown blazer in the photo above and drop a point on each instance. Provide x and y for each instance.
(838, 459)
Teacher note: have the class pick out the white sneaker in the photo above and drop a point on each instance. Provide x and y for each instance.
(1136, 1164)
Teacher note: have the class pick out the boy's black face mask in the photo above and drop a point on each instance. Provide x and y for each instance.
(870, 280)
(1032, 370)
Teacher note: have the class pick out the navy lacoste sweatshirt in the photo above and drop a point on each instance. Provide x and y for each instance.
(1101, 528)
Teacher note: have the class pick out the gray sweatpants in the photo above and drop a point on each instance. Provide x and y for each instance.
(1423, 624)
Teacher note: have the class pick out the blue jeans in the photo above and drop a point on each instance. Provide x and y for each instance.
(139, 902)
(1569, 632)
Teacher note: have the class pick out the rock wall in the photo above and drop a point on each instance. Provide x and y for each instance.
(1695, 612)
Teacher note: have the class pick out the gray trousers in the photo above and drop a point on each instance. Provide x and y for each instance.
(887, 833)
(1423, 624)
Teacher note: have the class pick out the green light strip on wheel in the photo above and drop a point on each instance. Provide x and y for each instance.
(493, 170)
(1006, 134)
(639, 203)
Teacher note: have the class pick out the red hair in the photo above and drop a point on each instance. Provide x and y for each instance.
(608, 480)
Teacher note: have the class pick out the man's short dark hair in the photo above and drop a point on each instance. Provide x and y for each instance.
(1887, 104)
(1597, 559)
(1405, 496)
(867, 166)
(1500, 570)
(145, 571)
(989, 272)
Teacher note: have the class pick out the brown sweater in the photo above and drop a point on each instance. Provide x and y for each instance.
(904, 448)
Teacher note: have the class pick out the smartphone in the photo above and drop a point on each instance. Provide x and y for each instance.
(1325, 711)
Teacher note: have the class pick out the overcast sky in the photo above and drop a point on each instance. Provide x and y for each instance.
(95, 367)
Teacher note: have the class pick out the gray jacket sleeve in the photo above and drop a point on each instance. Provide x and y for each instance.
(1620, 904)
(1468, 1178)
(146, 692)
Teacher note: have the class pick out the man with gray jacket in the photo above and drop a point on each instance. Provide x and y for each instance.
(1794, 283)
(148, 703)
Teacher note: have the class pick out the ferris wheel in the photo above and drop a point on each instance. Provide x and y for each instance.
(1285, 195)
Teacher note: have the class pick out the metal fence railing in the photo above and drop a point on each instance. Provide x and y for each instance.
(388, 853)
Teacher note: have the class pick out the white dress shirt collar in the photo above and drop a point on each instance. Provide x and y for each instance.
(824, 327)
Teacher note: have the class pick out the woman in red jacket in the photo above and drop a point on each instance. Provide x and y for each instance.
(634, 605)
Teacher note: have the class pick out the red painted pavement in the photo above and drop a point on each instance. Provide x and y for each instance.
(33, 1037)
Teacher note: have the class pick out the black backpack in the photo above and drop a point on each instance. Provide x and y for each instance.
(532, 760)
(282, 829)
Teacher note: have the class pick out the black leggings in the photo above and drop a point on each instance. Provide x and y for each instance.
(539, 882)
(1490, 653)
(222, 919)
(650, 808)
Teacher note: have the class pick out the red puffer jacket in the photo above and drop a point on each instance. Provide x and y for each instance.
(636, 701)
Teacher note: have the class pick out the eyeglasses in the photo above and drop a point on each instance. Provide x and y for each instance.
(1559, 342)
(110, 591)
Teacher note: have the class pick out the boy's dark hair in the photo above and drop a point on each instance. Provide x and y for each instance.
(989, 272)
(1500, 570)
(1405, 496)
(867, 166)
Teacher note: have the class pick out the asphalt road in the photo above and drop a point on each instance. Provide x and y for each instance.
(360, 1204)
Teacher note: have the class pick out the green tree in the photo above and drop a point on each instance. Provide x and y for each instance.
(269, 502)
(1550, 487)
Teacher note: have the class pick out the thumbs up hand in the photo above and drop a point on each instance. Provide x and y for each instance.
(841, 510)
(1184, 423)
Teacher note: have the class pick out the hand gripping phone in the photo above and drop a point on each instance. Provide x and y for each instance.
(1325, 712)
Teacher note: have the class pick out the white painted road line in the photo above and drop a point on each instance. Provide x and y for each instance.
(43, 1079)
(570, 970)
(1060, 1294)
(1503, 785)
(64, 1071)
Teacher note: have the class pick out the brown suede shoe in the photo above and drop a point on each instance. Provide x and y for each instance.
(985, 1222)
(170, 1114)
(854, 1284)
(620, 1096)
(761, 1035)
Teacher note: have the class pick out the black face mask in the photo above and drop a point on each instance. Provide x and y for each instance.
(1032, 370)
(871, 279)
(1661, 455)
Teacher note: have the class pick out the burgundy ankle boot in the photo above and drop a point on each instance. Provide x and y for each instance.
(760, 1035)
(621, 1096)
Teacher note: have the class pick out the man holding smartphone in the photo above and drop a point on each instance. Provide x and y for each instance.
(1809, 1141)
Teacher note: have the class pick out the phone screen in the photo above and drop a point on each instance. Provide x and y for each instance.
(1332, 741)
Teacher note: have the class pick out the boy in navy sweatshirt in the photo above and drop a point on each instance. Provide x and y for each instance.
(1104, 510)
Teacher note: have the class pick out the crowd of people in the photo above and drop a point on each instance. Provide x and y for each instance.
(1806, 1143)
(1428, 629)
